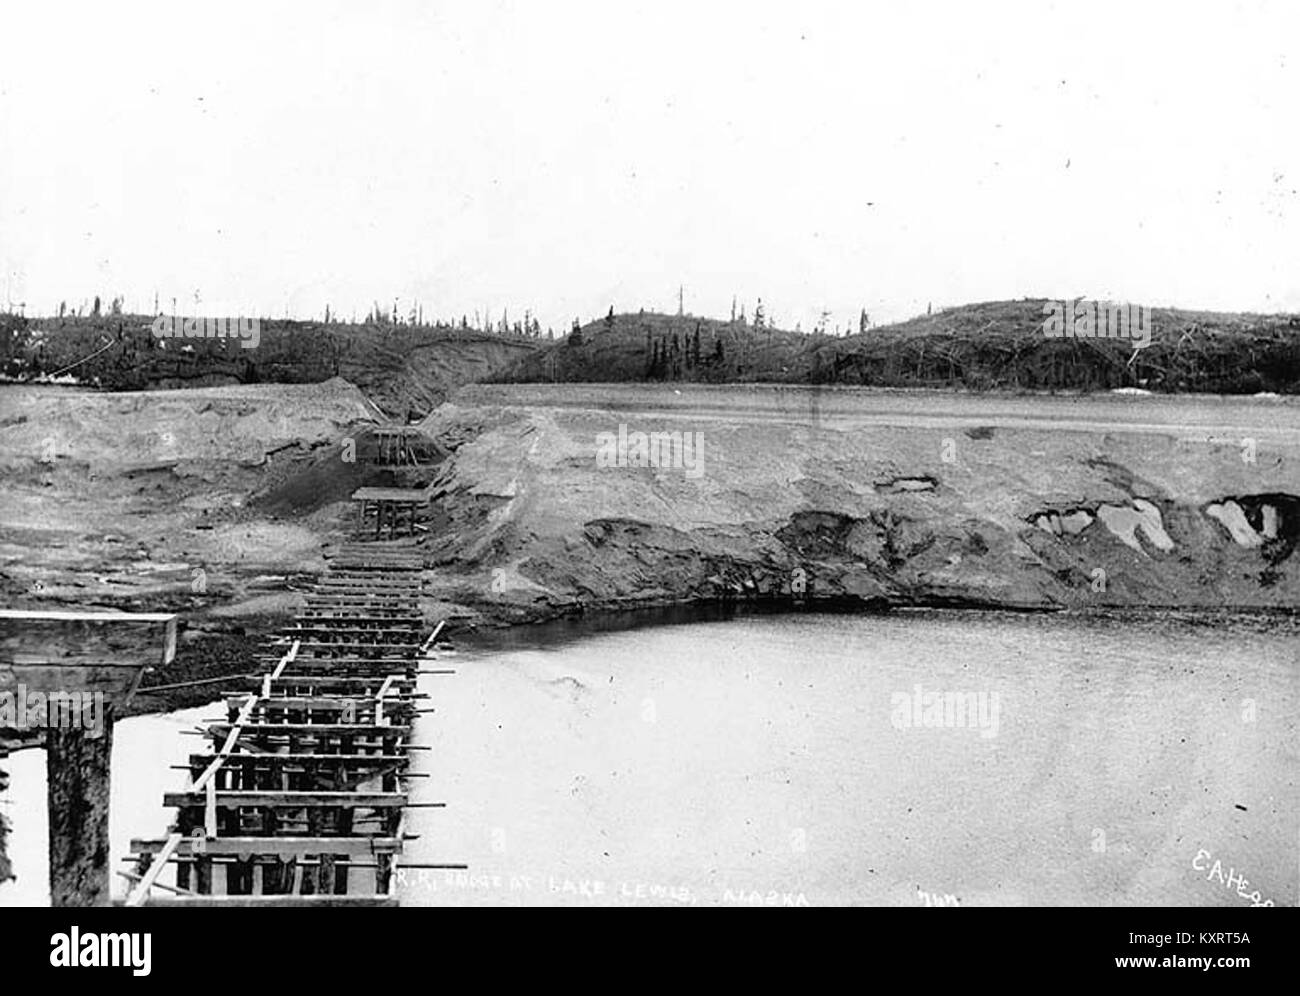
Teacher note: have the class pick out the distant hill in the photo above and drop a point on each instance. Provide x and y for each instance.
(402, 368)
(994, 345)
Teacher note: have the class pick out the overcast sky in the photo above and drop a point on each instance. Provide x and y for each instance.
(564, 157)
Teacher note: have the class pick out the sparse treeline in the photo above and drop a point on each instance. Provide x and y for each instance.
(528, 327)
(990, 346)
(120, 351)
(395, 315)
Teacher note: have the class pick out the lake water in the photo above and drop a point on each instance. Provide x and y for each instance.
(799, 758)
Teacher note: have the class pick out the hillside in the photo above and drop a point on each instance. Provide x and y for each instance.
(995, 345)
(402, 368)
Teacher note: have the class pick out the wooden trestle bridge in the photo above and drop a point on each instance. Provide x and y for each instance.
(300, 800)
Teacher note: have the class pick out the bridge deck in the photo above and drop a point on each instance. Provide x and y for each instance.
(301, 799)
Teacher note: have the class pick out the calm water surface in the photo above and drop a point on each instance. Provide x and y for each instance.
(775, 759)
(720, 762)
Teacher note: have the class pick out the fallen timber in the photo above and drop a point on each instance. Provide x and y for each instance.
(301, 799)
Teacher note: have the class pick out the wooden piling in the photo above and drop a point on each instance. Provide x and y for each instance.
(77, 765)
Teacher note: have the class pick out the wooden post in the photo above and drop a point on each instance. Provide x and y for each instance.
(77, 767)
(91, 662)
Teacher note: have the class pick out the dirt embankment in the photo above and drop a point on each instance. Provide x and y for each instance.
(217, 503)
(1032, 503)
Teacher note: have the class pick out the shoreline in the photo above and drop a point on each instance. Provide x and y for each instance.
(568, 627)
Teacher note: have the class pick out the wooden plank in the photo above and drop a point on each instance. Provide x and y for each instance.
(362, 668)
(349, 586)
(419, 496)
(316, 646)
(370, 579)
(368, 621)
(361, 584)
(335, 627)
(124, 639)
(202, 781)
(402, 663)
(332, 729)
(344, 668)
(286, 660)
(372, 616)
(301, 800)
(273, 759)
(322, 703)
(346, 684)
(158, 885)
(409, 606)
(424, 648)
(328, 899)
(140, 892)
(284, 847)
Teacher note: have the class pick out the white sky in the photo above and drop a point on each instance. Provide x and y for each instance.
(568, 156)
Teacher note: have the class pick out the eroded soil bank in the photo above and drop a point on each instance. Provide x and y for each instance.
(879, 499)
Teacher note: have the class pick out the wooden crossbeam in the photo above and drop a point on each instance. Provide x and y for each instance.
(319, 703)
(299, 800)
(283, 847)
(372, 615)
(371, 602)
(315, 626)
(325, 667)
(329, 684)
(333, 729)
(400, 660)
(315, 646)
(124, 639)
(371, 582)
(274, 759)
(328, 899)
(350, 662)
